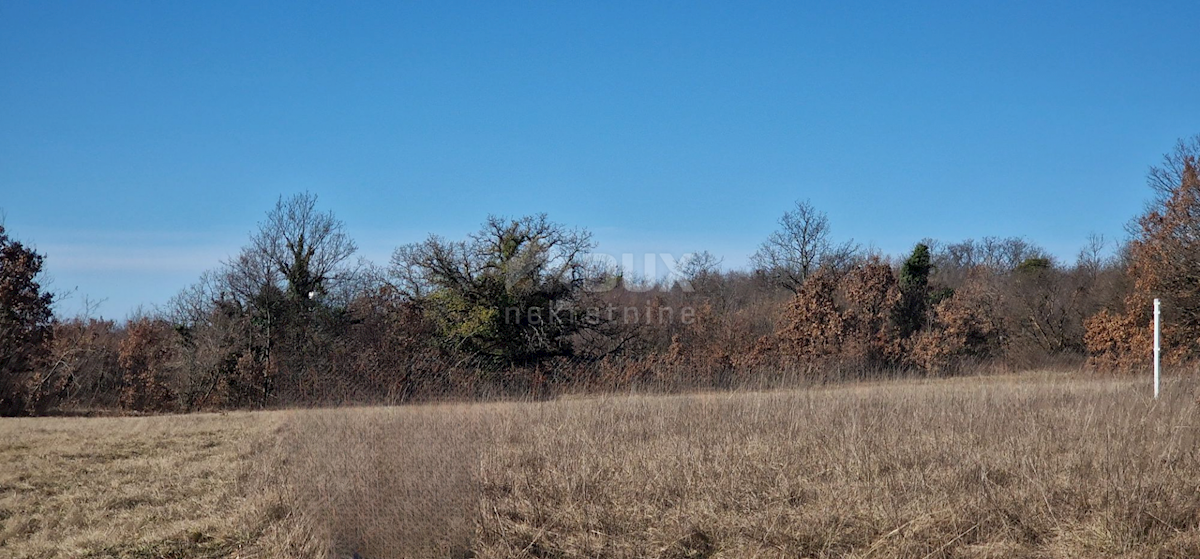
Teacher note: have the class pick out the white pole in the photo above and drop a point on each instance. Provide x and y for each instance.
(1157, 346)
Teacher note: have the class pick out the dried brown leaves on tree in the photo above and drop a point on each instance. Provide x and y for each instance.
(856, 322)
(26, 327)
(812, 326)
(872, 299)
(143, 357)
(1164, 263)
(965, 326)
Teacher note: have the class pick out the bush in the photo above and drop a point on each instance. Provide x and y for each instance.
(143, 358)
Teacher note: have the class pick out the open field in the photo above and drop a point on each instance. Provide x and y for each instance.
(129, 487)
(1036, 465)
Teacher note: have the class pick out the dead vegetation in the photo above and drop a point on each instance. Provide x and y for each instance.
(166, 486)
(965, 469)
(1040, 465)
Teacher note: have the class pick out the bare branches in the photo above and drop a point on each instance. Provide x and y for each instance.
(296, 250)
(700, 265)
(417, 269)
(954, 262)
(802, 245)
(525, 252)
(1164, 179)
(304, 246)
(508, 293)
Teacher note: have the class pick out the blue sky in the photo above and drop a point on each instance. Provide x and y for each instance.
(140, 142)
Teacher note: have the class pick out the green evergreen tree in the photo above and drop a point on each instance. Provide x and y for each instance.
(914, 290)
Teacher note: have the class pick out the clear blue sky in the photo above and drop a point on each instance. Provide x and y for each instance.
(140, 142)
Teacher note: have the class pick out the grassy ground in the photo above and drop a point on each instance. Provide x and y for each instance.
(129, 487)
(1037, 465)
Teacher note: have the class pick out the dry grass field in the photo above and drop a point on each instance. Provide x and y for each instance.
(172, 486)
(1036, 465)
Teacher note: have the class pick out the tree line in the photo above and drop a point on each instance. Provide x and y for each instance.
(522, 308)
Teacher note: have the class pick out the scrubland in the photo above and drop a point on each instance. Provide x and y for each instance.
(1033, 465)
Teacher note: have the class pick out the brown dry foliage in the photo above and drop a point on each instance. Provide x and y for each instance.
(854, 322)
(390, 356)
(812, 326)
(142, 357)
(1164, 262)
(1118, 341)
(965, 326)
(84, 368)
(872, 300)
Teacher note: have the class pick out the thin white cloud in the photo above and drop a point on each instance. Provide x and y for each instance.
(105, 257)
(134, 250)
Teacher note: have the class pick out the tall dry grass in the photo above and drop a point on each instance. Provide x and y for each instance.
(1037, 465)
(1042, 466)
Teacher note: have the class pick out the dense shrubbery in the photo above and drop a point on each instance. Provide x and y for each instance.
(518, 308)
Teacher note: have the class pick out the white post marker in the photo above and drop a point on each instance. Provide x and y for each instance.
(1157, 347)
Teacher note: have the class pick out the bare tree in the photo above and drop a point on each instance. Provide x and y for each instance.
(252, 327)
(953, 262)
(418, 269)
(533, 250)
(1092, 257)
(250, 276)
(1164, 179)
(699, 266)
(296, 252)
(802, 245)
(307, 247)
(528, 251)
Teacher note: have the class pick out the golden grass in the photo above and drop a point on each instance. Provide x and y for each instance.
(1036, 465)
(128, 487)
(960, 468)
